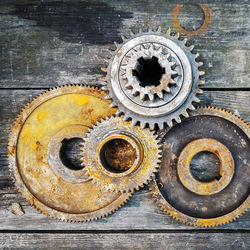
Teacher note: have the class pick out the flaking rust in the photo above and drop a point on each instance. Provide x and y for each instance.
(215, 202)
(34, 145)
(140, 147)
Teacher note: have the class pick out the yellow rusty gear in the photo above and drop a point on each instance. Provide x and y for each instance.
(33, 153)
(168, 178)
(137, 164)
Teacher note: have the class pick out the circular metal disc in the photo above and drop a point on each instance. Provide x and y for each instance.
(205, 203)
(63, 112)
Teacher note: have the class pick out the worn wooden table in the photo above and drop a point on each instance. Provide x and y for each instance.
(49, 43)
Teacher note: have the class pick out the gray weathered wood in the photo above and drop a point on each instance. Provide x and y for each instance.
(133, 240)
(51, 43)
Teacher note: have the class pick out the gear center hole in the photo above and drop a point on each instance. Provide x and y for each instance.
(117, 155)
(205, 167)
(148, 71)
(70, 153)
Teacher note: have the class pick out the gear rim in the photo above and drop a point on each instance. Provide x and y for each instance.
(173, 115)
(23, 116)
(204, 222)
(129, 180)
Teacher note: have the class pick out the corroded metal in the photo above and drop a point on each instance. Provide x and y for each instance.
(140, 155)
(198, 32)
(34, 161)
(215, 202)
(173, 72)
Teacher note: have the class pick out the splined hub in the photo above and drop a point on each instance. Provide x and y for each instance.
(221, 199)
(153, 78)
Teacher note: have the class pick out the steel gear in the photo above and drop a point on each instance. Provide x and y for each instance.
(34, 154)
(119, 156)
(220, 200)
(153, 78)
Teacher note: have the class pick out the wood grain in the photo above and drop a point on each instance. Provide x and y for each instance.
(50, 43)
(133, 240)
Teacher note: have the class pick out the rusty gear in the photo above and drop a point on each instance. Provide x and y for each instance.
(153, 78)
(34, 154)
(217, 201)
(119, 156)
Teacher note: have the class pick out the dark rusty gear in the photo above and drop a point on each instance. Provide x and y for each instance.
(215, 202)
(119, 156)
(34, 154)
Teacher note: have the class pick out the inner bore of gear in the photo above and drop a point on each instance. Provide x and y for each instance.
(70, 153)
(117, 155)
(147, 74)
(205, 167)
(148, 71)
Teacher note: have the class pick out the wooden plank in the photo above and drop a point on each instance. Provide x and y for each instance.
(139, 213)
(53, 43)
(126, 241)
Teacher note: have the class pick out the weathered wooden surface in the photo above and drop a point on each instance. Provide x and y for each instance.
(50, 43)
(131, 240)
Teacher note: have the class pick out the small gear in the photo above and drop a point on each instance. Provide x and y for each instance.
(213, 202)
(153, 78)
(119, 156)
(35, 161)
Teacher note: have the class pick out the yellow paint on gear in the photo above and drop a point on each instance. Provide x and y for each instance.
(142, 163)
(179, 204)
(62, 112)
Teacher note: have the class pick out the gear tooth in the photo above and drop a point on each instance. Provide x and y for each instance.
(131, 33)
(197, 55)
(105, 88)
(200, 64)
(197, 100)
(112, 105)
(202, 73)
(142, 96)
(170, 123)
(177, 35)
(191, 47)
(168, 55)
(185, 40)
(192, 107)
(151, 126)
(185, 114)
(134, 122)
(123, 38)
(178, 119)
(159, 29)
(151, 97)
(106, 59)
(150, 29)
(118, 112)
(202, 83)
(107, 97)
(168, 31)
(116, 44)
(142, 124)
(140, 30)
(104, 69)
(160, 95)
(161, 126)
(200, 92)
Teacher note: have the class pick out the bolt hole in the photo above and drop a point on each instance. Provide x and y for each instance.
(148, 71)
(70, 153)
(205, 167)
(117, 155)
